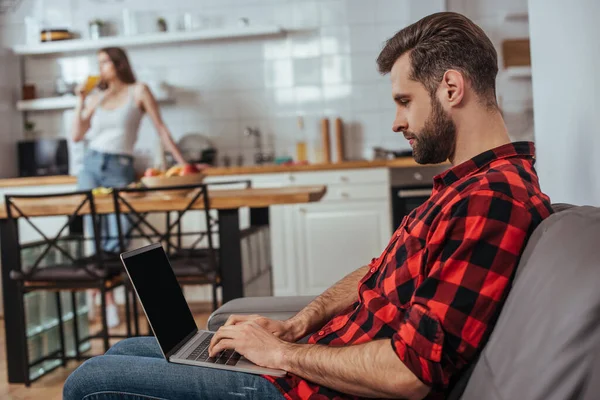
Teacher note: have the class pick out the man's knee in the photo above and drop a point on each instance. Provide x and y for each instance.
(127, 347)
(81, 381)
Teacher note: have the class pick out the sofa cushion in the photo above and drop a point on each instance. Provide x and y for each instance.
(544, 342)
(280, 308)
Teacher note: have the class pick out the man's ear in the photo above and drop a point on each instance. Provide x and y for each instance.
(452, 88)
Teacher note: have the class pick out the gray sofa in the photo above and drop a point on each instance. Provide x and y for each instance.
(546, 343)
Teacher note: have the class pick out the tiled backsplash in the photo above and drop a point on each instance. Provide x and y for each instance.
(324, 67)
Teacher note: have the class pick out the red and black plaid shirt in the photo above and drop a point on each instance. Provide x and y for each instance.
(438, 285)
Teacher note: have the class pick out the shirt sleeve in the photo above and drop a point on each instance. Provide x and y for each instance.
(470, 259)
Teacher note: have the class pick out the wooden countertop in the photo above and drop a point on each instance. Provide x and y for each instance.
(219, 199)
(270, 169)
(38, 181)
(224, 171)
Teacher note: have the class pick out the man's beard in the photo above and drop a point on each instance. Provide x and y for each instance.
(437, 140)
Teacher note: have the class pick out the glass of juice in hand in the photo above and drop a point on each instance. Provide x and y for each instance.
(91, 82)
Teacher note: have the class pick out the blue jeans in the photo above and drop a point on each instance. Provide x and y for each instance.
(135, 369)
(106, 170)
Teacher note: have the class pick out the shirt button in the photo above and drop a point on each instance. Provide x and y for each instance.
(373, 270)
(321, 333)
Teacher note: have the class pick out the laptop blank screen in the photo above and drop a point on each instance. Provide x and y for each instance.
(161, 296)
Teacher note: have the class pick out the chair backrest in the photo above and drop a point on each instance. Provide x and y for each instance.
(141, 225)
(19, 208)
(549, 328)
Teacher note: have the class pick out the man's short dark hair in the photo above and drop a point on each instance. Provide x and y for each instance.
(444, 41)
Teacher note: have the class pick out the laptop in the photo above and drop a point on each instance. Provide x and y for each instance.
(170, 317)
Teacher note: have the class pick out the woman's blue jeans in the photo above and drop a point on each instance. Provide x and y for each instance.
(106, 170)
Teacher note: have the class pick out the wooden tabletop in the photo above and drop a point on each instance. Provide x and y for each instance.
(219, 199)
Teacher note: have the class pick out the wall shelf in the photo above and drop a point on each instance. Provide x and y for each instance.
(518, 72)
(62, 103)
(79, 45)
(517, 16)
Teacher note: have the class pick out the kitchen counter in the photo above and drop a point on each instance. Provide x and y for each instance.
(224, 171)
(38, 181)
(269, 169)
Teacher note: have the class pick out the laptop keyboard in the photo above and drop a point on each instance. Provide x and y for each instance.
(200, 353)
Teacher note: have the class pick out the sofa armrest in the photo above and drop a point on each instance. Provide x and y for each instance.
(280, 308)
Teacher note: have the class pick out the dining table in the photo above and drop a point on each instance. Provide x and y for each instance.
(227, 203)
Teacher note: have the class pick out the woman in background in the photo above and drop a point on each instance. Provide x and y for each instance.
(109, 119)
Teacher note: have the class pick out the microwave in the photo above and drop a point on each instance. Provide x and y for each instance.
(43, 157)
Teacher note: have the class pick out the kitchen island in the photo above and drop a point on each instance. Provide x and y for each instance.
(227, 202)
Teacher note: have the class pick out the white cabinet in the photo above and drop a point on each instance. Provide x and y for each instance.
(335, 239)
(314, 245)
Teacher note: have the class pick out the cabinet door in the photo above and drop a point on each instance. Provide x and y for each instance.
(335, 239)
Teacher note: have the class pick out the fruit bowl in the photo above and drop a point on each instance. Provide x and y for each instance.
(166, 181)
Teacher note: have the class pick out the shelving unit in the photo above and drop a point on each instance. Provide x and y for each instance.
(79, 45)
(62, 103)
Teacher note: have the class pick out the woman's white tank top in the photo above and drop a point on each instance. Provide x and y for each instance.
(115, 131)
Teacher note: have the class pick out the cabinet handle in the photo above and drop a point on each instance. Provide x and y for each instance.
(345, 195)
(418, 176)
(292, 178)
(344, 178)
(303, 210)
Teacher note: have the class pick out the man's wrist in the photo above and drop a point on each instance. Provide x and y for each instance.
(299, 326)
(288, 355)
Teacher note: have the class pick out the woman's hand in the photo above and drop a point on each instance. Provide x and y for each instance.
(81, 92)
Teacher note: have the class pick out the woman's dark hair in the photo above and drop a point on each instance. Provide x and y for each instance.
(121, 62)
(444, 41)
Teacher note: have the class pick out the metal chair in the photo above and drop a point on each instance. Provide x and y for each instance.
(193, 254)
(72, 273)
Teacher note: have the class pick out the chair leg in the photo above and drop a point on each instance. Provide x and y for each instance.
(61, 329)
(127, 311)
(75, 324)
(26, 376)
(104, 321)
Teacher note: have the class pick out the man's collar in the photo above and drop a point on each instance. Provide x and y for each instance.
(517, 149)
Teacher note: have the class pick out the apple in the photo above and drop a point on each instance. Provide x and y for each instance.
(188, 169)
(152, 172)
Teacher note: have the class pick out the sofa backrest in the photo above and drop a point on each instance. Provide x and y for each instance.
(544, 343)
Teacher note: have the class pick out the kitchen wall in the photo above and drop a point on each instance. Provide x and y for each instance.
(566, 91)
(325, 67)
(9, 121)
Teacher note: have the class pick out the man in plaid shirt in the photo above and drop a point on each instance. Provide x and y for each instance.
(409, 322)
(424, 307)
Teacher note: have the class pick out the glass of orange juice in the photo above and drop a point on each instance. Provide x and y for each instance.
(91, 83)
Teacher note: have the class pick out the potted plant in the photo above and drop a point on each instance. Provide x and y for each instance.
(96, 28)
(162, 24)
(30, 132)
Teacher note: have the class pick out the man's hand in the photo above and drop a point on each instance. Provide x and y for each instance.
(289, 330)
(252, 341)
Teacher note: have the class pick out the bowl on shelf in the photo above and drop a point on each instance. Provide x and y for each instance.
(162, 181)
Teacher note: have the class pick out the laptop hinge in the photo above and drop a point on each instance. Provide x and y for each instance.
(182, 343)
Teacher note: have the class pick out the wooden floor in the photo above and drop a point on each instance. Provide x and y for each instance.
(50, 386)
